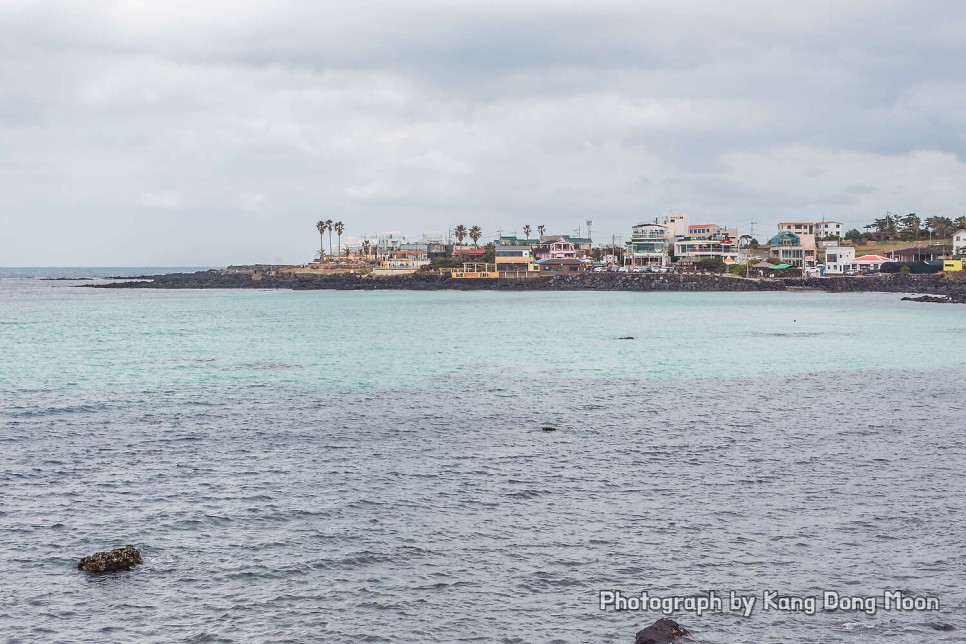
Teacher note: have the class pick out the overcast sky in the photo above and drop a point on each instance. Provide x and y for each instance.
(205, 133)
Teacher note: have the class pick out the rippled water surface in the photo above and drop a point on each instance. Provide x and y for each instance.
(357, 466)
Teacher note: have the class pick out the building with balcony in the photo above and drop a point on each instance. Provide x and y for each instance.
(698, 249)
(649, 246)
(795, 249)
(556, 247)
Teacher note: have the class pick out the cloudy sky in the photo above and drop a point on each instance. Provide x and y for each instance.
(212, 132)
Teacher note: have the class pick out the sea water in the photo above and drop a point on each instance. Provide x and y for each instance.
(371, 466)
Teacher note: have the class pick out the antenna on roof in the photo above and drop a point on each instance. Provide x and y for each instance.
(752, 233)
(589, 224)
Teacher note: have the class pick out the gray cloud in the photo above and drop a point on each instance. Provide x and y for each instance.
(215, 132)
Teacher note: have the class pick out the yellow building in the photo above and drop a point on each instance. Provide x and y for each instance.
(516, 261)
(474, 271)
(951, 265)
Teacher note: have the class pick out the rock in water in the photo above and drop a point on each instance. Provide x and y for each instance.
(663, 631)
(549, 429)
(112, 561)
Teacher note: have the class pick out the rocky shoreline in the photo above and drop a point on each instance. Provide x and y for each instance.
(950, 290)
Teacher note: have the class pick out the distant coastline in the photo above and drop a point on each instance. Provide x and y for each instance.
(953, 290)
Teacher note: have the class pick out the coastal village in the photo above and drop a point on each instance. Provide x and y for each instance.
(667, 244)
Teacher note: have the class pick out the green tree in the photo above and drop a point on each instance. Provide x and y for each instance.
(366, 244)
(961, 223)
(541, 229)
(460, 233)
(853, 235)
(911, 225)
(941, 226)
(475, 233)
(526, 230)
(713, 265)
(885, 227)
(339, 229)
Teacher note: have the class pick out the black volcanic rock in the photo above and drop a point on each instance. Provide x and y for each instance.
(934, 285)
(663, 631)
(111, 561)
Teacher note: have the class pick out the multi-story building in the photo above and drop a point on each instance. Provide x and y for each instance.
(676, 223)
(711, 231)
(703, 248)
(556, 247)
(794, 248)
(959, 242)
(390, 240)
(649, 246)
(828, 229)
(820, 229)
(515, 261)
(798, 227)
(839, 259)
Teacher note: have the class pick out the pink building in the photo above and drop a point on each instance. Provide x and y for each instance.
(556, 248)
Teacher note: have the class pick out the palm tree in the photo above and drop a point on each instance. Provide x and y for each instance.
(321, 227)
(365, 247)
(460, 233)
(541, 229)
(328, 226)
(339, 229)
(526, 230)
(475, 233)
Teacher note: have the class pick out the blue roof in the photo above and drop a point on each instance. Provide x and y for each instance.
(782, 236)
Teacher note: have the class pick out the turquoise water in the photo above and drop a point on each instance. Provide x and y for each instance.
(130, 339)
(370, 466)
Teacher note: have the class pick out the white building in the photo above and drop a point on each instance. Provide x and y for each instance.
(649, 246)
(839, 259)
(825, 229)
(711, 231)
(676, 224)
(390, 240)
(706, 248)
(959, 242)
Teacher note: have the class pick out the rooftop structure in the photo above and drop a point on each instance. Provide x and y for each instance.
(796, 249)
